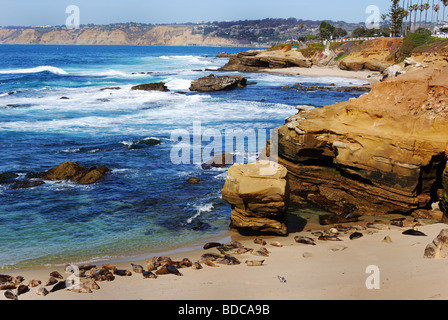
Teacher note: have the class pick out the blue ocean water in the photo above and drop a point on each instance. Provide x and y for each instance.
(145, 203)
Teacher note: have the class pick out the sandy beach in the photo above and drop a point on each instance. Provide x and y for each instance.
(327, 270)
(315, 71)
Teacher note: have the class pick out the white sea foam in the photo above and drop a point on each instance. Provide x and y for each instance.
(39, 69)
(190, 59)
(200, 209)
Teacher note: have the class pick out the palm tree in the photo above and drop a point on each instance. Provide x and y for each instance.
(414, 8)
(426, 7)
(421, 7)
(436, 9)
(445, 4)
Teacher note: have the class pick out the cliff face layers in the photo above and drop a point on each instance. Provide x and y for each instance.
(385, 152)
(158, 35)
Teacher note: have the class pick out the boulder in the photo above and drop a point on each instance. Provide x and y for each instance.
(75, 172)
(259, 197)
(438, 249)
(156, 86)
(381, 153)
(214, 83)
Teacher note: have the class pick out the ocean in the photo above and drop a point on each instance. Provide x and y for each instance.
(145, 203)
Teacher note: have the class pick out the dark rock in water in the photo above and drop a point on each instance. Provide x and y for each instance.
(26, 184)
(327, 219)
(7, 177)
(201, 226)
(412, 232)
(219, 161)
(23, 105)
(156, 86)
(193, 180)
(140, 144)
(110, 88)
(213, 83)
(356, 235)
(75, 172)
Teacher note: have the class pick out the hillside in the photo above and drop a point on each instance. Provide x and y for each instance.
(229, 33)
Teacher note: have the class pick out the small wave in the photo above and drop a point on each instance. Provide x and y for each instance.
(187, 58)
(204, 208)
(39, 69)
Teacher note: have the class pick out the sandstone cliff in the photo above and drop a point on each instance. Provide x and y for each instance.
(384, 152)
(256, 60)
(176, 35)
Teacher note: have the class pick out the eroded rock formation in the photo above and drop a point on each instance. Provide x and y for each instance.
(384, 152)
(258, 194)
(256, 60)
(214, 83)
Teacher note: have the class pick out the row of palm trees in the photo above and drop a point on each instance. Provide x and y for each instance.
(417, 7)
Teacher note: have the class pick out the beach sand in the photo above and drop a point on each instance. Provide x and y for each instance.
(369, 76)
(328, 270)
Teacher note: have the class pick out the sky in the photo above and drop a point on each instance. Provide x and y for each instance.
(39, 13)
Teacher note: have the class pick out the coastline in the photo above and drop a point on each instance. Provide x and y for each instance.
(335, 270)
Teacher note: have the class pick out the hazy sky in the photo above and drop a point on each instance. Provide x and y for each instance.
(37, 12)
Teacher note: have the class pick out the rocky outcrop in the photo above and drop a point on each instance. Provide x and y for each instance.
(214, 83)
(256, 60)
(75, 172)
(374, 55)
(156, 86)
(258, 194)
(381, 153)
